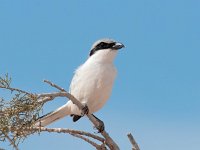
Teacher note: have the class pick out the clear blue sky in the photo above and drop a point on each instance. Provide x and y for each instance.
(156, 95)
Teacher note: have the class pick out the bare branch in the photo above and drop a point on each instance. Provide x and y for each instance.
(87, 140)
(133, 142)
(76, 133)
(52, 95)
(54, 85)
(109, 141)
(62, 130)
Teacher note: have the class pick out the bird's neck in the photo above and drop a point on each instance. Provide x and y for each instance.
(103, 56)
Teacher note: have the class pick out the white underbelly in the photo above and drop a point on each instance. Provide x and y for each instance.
(93, 88)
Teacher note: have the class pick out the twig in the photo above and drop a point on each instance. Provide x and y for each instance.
(44, 99)
(15, 89)
(68, 95)
(133, 142)
(11, 142)
(76, 133)
(54, 85)
(52, 95)
(62, 130)
(87, 140)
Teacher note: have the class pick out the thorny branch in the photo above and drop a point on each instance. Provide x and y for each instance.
(18, 115)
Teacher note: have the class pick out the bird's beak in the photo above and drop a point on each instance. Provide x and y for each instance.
(118, 46)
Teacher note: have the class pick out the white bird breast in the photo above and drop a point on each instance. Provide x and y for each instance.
(92, 85)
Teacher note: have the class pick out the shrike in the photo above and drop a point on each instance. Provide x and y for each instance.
(92, 82)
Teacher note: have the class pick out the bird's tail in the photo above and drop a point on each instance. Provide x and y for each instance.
(53, 116)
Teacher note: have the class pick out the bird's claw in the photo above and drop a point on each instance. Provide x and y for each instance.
(100, 126)
(85, 110)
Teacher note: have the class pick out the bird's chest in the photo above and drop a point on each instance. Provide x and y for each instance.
(94, 85)
(99, 80)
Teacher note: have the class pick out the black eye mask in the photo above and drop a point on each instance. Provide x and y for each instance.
(101, 46)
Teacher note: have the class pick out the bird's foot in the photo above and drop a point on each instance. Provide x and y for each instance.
(85, 110)
(100, 126)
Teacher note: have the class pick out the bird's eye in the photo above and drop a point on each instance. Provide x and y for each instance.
(102, 45)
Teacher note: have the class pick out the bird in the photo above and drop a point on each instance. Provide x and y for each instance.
(91, 84)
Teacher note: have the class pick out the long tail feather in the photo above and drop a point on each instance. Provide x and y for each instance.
(53, 116)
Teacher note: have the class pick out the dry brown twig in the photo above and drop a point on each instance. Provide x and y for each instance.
(133, 142)
(106, 141)
(76, 133)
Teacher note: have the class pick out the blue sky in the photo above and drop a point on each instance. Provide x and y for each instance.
(156, 95)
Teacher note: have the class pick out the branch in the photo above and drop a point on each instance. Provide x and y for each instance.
(15, 89)
(133, 142)
(62, 130)
(54, 85)
(5, 84)
(76, 133)
(19, 114)
(108, 140)
(98, 147)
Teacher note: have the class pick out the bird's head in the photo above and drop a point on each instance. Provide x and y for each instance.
(105, 49)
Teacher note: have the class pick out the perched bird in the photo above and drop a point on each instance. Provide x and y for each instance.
(92, 82)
